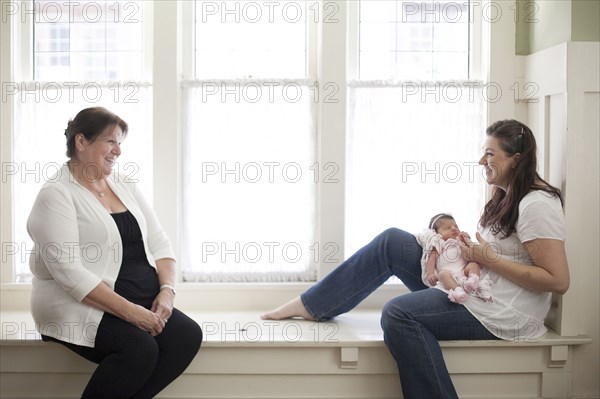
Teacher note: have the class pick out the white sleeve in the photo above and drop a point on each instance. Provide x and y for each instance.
(541, 218)
(52, 225)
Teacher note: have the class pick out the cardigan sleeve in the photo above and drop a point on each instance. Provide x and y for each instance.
(52, 225)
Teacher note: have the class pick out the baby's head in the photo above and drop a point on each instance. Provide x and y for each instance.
(445, 225)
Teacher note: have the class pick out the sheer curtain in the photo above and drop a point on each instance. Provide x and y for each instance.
(41, 115)
(249, 187)
(412, 152)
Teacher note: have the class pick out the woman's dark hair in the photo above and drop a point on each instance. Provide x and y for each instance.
(433, 223)
(91, 122)
(502, 210)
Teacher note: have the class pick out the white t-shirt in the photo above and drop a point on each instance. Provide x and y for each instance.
(517, 313)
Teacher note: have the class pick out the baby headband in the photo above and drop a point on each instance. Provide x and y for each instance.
(441, 215)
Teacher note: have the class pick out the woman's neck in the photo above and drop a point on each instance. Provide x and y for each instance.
(89, 177)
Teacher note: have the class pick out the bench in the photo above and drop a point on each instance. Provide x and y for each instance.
(245, 357)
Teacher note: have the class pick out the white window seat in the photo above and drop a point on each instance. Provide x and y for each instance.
(245, 357)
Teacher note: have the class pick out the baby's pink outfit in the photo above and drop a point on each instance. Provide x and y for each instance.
(450, 259)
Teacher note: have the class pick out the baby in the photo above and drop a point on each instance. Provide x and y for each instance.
(443, 264)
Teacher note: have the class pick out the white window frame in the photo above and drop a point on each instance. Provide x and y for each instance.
(189, 79)
(172, 24)
(477, 52)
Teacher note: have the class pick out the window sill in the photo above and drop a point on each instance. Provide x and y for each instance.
(218, 296)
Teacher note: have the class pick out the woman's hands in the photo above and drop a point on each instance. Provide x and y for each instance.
(155, 319)
(548, 271)
(482, 252)
(146, 320)
(163, 304)
(104, 298)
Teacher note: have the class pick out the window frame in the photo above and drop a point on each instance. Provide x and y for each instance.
(172, 20)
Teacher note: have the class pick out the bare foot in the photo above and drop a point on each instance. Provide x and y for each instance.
(294, 308)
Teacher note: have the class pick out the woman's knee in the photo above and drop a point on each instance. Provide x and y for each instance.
(392, 316)
(194, 335)
(185, 332)
(392, 233)
(400, 240)
(144, 350)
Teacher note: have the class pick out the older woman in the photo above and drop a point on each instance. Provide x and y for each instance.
(521, 244)
(104, 270)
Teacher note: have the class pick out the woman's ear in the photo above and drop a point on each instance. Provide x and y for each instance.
(516, 157)
(80, 141)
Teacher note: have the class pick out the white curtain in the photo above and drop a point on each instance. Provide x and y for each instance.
(42, 111)
(412, 152)
(249, 190)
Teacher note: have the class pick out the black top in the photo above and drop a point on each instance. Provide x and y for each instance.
(137, 280)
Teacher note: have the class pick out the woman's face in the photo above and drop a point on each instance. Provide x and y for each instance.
(99, 156)
(447, 228)
(498, 165)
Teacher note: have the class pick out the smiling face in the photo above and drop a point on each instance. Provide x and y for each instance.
(447, 228)
(498, 165)
(99, 156)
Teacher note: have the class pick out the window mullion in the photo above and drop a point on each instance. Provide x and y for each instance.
(167, 123)
(331, 128)
(352, 47)
(188, 18)
(7, 75)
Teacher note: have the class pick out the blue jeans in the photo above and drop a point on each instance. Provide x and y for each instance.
(412, 323)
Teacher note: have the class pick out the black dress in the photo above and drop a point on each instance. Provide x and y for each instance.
(137, 281)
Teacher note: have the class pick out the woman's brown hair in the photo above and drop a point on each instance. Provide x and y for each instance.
(91, 122)
(502, 210)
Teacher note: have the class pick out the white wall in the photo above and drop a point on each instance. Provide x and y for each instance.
(564, 114)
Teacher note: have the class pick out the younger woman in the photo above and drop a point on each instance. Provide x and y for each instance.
(520, 241)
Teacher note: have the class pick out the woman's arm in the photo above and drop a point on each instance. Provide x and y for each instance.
(104, 298)
(163, 303)
(549, 272)
(53, 227)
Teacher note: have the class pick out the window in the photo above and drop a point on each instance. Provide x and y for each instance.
(415, 119)
(74, 55)
(267, 123)
(88, 41)
(249, 194)
(414, 40)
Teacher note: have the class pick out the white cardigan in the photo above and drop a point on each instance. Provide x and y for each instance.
(76, 246)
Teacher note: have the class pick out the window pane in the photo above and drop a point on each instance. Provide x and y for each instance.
(404, 166)
(450, 37)
(416, 65)
(447, 66)
(249, 144)
(377, 36)
(250, 39)
(249, 185)
(415, 37)
(417, 31)
(71, 39)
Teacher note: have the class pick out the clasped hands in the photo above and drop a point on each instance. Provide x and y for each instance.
(155, 319)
